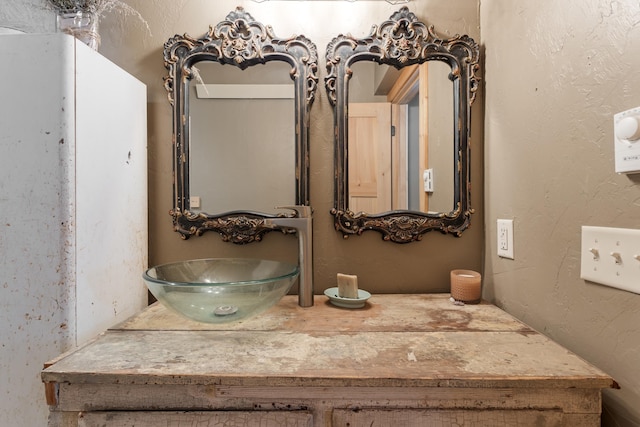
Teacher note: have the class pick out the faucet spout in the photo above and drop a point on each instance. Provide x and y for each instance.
(302, 223)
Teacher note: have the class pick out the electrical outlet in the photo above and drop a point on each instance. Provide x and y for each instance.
(194, 202)
(505, 238)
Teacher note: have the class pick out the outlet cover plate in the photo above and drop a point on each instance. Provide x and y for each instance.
(505, 238)
(611, 257)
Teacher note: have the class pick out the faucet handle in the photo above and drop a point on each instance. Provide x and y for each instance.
(302, 211)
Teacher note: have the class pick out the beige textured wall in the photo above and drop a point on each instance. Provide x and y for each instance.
(28, 16)
(382, 266)
(556, 72)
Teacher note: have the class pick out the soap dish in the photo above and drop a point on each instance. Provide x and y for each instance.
(339, 301)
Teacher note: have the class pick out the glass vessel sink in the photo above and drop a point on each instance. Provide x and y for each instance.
(220, 290)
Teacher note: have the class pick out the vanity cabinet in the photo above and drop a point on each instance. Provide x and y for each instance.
(73, 207)
(406, 360)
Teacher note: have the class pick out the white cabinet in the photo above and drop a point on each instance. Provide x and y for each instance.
(73, 207)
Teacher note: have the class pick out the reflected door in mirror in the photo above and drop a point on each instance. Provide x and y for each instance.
(370, 157)
(401, 124)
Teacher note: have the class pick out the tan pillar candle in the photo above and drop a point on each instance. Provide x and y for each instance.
(466, 286)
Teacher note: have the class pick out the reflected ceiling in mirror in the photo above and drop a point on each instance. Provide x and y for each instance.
(226, 158)
(379, 174)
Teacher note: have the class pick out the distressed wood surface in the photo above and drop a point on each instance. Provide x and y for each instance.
(419, 313)
(197, 419)
(129, 397)
(461, 359)
(431, 418)
(398, 341)
(409, 360)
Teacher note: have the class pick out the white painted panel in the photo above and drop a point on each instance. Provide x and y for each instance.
(37, 310)
(71, 256)
(111, 193)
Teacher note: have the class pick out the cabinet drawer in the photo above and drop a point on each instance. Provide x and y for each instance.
(468, 418)
(193, 419)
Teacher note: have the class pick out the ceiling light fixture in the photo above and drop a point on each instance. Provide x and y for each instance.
(351, 1)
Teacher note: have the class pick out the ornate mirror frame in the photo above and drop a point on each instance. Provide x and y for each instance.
(239, 41)
(402, 41)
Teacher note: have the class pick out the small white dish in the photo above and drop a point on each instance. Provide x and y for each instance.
(339, 301)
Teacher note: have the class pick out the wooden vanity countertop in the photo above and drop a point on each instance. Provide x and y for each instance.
(394, 341)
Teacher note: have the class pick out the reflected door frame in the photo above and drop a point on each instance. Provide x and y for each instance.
(368, 174)
(412, 82)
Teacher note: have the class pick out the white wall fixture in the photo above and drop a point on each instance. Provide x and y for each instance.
(627, 141)
(505, 238)
(194, 202)
(611, 257)
(427, 178)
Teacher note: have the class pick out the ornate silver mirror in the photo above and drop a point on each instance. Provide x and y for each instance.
(241, 99)
(402, 100)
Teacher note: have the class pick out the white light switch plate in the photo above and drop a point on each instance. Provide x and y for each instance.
(611, 256)
(427, 177)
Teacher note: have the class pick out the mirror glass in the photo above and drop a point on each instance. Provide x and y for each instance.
(242, 131)
(241, 98)
(402, 101)
(389, 151)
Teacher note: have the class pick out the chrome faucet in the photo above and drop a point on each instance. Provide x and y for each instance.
(302, 224)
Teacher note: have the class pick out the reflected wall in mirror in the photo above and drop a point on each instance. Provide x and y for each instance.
(402, 99)
(232, 114)
(241, 99)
